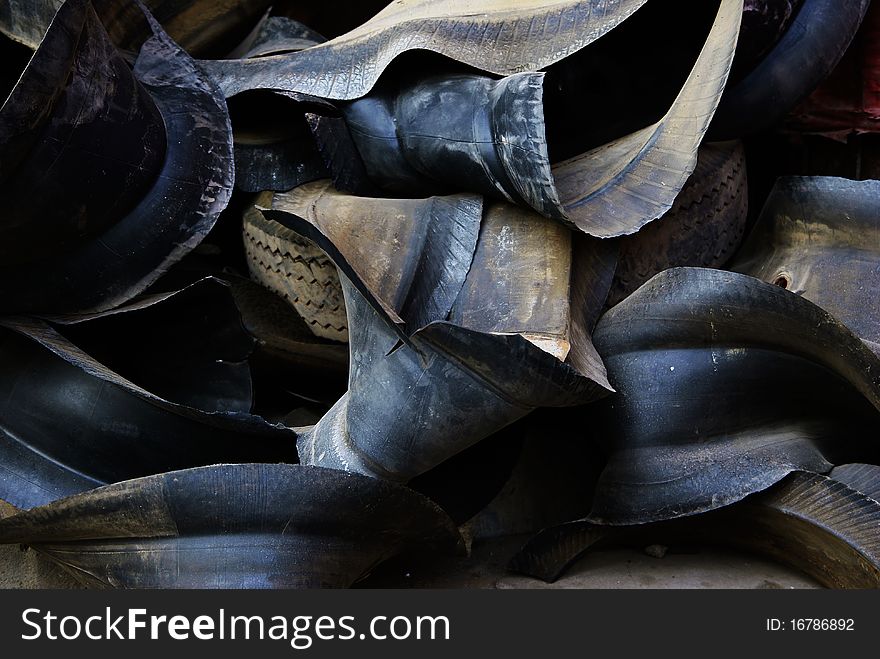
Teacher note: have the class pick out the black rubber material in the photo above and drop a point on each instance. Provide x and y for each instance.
(789, 388)
(808, 51)
(182, 202)
(815, 524)
(703, 228)
(296, 269)
(234, 526)
(69, 423)
(819, 237)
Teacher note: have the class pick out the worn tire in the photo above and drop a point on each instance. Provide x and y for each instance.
(803, 57)
(703, 228)
(296, 269)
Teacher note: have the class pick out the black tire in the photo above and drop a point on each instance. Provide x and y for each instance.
(703, 228)
(297, 270)
(804, 56)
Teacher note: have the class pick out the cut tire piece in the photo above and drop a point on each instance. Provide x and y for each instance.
(861, 477)
(764, 24)
(790, 388)
(186, 346)
(808, 51)
(381, 245)
(197, 25)
(274, 146)
(479, 33)
(619, 187)
(459, 324)
(68, 423)
(476, 133)
(813, 523)
(819, 237)
(276, 35)
(847, 101)
(80, 143)
(458, 132)
(704, 227)
(234, 526)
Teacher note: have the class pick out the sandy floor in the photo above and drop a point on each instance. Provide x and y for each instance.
(619, 568)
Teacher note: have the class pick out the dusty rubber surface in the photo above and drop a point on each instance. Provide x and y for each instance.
(703, 228)
(294, 268)
(25, 568)
(624, 568)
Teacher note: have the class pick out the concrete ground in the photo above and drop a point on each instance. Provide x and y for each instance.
(608, 569)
